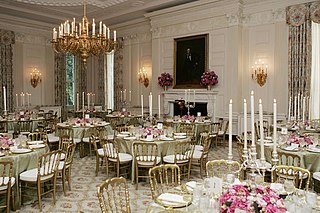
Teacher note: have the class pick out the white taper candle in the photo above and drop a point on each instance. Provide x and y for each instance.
(230, 131)
(245, 124)
(274, 125)
(252, 120)
(261, 130)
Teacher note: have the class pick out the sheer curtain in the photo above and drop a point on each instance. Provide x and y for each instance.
(315, 72)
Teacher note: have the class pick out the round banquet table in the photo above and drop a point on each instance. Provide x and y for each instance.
(164, 148)
(309, 160)
(22, 162)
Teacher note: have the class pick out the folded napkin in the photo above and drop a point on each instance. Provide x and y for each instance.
(171, 198)
(278, 187)
(192, 184)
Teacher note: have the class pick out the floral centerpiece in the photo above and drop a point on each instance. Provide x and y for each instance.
(209, 78)
(188, 118)
(165, 79)
(151, 131)
(303, 140)
(258, 199)
(5, 142)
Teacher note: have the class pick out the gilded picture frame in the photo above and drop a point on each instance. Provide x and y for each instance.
(190, 61)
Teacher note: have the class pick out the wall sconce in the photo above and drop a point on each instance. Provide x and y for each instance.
(143, 77)
(35, 77)
(259, 72)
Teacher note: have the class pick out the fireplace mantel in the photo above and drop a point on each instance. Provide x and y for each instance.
(203, 96)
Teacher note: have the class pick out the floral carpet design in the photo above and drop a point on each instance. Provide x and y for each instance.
(83, 194)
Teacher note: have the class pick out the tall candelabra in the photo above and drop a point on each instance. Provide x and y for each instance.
(189, 105)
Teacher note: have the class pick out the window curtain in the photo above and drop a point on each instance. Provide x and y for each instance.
(118, 74)
(7, 39)
(60, 83)
(81, 80)
(299, 19)
(315, 72)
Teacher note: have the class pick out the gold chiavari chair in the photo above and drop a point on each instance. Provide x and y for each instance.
(38, 136)
(188, 128)
(300, 176)
(6, 183)
(92, 131)
(43, 178)
(65, 167)
(289, 159)
(200, 157)
(183, 152)
(4, 126)
(221, 137)
(163, 178)
(120, 161)
(100, 154)
(214, 130)
(113, 195)
(220, 168)
(24, 127)
(145, 157)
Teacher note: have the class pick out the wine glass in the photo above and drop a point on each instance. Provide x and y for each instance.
(289, 187)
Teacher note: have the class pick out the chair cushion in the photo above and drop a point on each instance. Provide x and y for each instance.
(32, 175)
(5, 182)
(170, 159)
(87, 139)
(197, 155)
(52, 138)
(220, 132)
(62, 156)
(148, 160)
(123, 158)
(110, 137)
(198, 147)
(24, 133)
(76, 140)
(61, 165)
(316, 175)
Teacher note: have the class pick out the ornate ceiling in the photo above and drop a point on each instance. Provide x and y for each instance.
(45, 14)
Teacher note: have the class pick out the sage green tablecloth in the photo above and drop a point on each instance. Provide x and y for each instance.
(164, 148)
(309, 160)
(78, 131)
(21, 163)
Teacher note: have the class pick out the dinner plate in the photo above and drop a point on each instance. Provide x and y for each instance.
(290, 148)
(20, 151)
(180, 133)
(166, 139)
(129, 138)
(37, 146)
(147, 140)
(122, 135)
(125, 133)
(180, 136)
(174, 200)
(314, 149)
(34, 142)
(2, 154)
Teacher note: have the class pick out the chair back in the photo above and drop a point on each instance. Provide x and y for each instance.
(110, 149)
(5, 175)
(220, 168)
(183, 151)
(289, 159)
(205, 141)
(113, 195)
(48, 164)
(64, 142)
(145, 153)
(24, 126)
(214, 128)
(69, 154)
(4, 126)
(300, 176)
(224, 126)
(38, 136)
(65, 132)
(187, 128)
(163, 178)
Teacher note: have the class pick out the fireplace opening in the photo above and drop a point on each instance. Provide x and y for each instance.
(180, 109)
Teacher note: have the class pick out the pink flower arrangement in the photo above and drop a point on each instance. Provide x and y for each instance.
(151, 131)
(209, 78)
(190, 118)
(297, 139)
(5, 142)
(165, 79)
(259, 199)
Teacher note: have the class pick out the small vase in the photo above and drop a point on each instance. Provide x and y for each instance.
(165, 88)
(208, 87)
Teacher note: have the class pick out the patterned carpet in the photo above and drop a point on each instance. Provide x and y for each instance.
(84, 183)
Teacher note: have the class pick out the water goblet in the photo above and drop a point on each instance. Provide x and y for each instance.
(289, 187)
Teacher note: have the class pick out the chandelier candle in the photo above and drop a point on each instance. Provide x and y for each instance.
(230, 131)
(261, 132)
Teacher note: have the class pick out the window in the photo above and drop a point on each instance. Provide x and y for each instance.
(315, 72)
(70, 79)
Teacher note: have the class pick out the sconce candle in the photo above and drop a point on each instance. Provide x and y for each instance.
(35, 77)
(259, 72)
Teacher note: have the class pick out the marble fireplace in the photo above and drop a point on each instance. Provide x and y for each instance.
(201, 96)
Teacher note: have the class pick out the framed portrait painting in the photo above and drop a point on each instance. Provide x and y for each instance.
(190, 60)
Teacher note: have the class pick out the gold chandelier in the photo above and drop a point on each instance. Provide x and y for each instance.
(77, 41)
